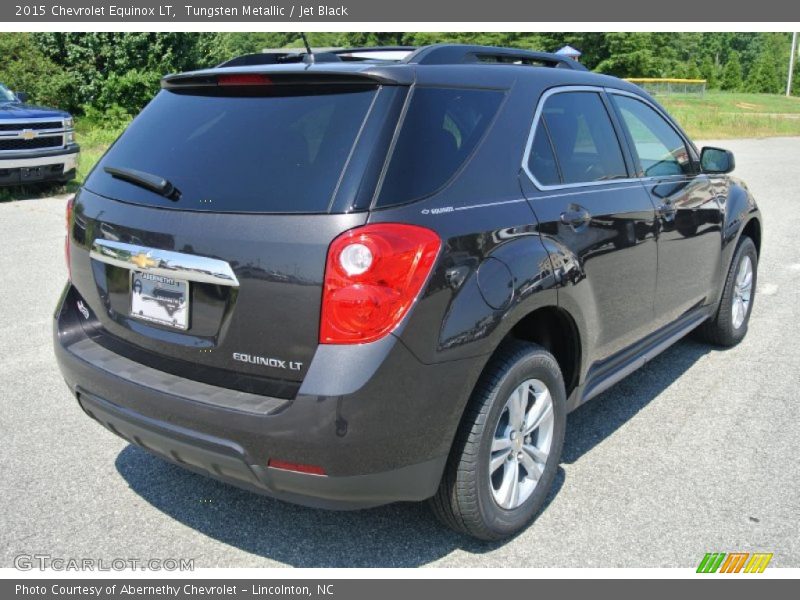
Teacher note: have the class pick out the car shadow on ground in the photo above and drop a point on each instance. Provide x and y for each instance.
(399, 535)
(596, 420)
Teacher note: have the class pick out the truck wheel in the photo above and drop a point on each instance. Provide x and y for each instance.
(729, 326)
(508, 446)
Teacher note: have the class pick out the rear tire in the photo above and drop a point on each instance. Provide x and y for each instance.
(512, 433)
(729, 325)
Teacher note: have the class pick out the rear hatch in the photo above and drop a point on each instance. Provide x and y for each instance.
(199, 240)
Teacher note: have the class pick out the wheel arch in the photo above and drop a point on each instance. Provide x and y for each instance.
(752, 229)
(556, 330)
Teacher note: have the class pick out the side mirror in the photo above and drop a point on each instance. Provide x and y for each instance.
(22, 96)
(716, 160)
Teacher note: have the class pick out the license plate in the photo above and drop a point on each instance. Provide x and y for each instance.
(31, 173)
(161, 300)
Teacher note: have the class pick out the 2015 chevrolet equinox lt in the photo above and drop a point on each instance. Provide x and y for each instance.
(345, 283)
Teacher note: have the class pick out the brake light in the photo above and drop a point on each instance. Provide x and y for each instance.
(373, 275)
(244, 79)
(70, 208)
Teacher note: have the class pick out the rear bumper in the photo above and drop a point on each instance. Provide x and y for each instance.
(384, 442)
(26, 167)
(228, 461)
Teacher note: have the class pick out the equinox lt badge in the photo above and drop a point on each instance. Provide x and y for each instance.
(275, 363)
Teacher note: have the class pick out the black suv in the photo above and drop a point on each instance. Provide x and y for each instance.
(392, 280)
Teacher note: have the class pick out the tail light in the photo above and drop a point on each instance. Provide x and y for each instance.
(372, 277)
(70, 208)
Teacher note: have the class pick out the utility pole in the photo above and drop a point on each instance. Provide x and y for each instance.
(791, 64)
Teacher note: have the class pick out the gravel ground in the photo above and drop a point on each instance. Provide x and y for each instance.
(696, 452)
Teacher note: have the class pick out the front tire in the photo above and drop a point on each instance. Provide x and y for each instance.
(729, 326)
(508, 446)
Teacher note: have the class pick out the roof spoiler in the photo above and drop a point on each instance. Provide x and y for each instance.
(207, 79)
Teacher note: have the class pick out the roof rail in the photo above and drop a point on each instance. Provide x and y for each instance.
(449, 54)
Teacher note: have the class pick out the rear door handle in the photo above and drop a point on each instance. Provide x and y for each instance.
(575, 216)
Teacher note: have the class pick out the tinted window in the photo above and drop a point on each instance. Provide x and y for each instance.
(542, 161)
(584, 140)
(239, 153)
(661, 150)
(441, 129)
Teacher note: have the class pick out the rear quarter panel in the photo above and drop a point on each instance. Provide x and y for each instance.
(493, 268)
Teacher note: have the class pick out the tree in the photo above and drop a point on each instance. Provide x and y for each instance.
(768, 72)
(119, 72)
(24, 68)
(709, 72)
(630, 55)
(731, 79)
(92, 58)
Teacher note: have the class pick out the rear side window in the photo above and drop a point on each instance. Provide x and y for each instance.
(542, 161)
(271, 154)
(583, 139)
(440, 130)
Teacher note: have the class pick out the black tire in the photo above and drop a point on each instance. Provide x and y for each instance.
(464, 501)
(720, 329)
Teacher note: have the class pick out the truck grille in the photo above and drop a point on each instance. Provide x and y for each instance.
(34, 144)
(32, 125)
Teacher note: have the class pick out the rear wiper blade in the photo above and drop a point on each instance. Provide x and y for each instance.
(148, 181)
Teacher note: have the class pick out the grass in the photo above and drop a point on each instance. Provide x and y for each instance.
(95, 138)
(718, 115)
(715, 115)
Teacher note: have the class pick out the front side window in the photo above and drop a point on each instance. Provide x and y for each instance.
(661, 150)
(583, 139)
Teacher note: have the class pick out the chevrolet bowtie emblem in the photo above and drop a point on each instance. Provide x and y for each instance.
(143, 261)
(28, 134)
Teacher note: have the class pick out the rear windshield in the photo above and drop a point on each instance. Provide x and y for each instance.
(279, 154)
(440, 130)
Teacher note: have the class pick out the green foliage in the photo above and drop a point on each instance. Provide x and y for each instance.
(119, 72)
(630, 55)
(768, 73)
(103, 124)
(129, 91)
(732, 73)
(98, 60)
(24, 68)
(710, 71)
